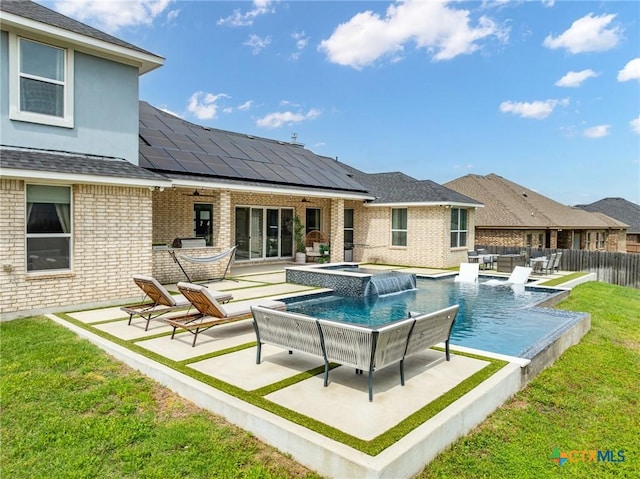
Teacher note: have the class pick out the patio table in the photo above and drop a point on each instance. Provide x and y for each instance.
(537, 263)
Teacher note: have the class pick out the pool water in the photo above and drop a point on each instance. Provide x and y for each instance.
(501, 319)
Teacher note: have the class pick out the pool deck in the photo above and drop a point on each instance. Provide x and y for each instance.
(343, 405)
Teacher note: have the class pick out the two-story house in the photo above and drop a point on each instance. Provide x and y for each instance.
(75, 207)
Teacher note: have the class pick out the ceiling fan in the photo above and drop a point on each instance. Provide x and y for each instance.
(198, 194)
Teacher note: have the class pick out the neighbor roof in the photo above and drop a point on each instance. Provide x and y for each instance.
(618, 208)
(29, 10)
(509, 205)
(396, 187)
(180, 149)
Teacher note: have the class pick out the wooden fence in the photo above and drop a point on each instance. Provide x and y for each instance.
(622, 269)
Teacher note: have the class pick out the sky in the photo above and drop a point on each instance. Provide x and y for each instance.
(543, 93)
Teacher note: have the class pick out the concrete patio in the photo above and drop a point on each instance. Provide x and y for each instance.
(226, 354)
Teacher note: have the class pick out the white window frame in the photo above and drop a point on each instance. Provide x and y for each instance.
(457, 231)
(404, 230)
(48, 235)
(15, 74)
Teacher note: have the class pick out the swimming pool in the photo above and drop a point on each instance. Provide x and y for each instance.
(500, 319)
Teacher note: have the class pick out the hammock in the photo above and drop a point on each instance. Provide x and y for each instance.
(204, 260)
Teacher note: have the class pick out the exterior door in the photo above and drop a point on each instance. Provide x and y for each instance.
(263, 232)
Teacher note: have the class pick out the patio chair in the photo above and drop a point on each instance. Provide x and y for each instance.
(468, 273)
(556, 263)
(161, 301)
(210, 312)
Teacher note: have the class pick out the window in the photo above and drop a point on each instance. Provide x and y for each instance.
(458, 227)
(48, 227)
(313, 216)
(534, 240)
(600, 240)
(41, 83)
(348, 227)
(399, 227)
(202, 222)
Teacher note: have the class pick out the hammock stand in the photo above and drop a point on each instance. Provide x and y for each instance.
(208, 259)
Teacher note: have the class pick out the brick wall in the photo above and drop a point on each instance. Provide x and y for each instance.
(428, 237)
(111, 242)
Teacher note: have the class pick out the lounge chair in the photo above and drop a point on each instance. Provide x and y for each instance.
(468, 273)
(210, 312)
(161, 301)
(519, 275)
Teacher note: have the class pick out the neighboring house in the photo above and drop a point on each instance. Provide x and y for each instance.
(96, 184)
(74, 204)
(622, 210)
(516, 216)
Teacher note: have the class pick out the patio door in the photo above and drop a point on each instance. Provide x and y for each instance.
(263, 232)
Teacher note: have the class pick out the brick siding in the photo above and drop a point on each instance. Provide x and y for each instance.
(111, 242)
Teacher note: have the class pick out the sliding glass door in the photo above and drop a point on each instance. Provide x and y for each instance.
(263, 232)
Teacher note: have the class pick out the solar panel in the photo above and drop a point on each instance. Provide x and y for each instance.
(179, 146)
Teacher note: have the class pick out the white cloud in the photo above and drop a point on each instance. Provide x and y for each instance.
(587, 34)
(204, 105)
(277, 119)
(257, 43)
(599, 131)
(443, 31)
(536, 109)
(631, 71)
(246, 105)
(548, 3)
(239, 19)
(575, 79)
(113, 14)
(635, 125)
(302, 41)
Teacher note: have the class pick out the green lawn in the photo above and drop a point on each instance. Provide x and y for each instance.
(588, 400)
(68, 410)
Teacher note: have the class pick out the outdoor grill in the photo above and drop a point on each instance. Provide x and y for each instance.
(189, 243)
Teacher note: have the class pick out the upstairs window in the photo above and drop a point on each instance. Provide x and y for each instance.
(41, 83)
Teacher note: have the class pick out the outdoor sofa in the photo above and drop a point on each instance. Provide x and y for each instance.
(360, 347)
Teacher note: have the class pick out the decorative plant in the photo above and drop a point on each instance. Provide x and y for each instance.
(298, 234)
(324, 249)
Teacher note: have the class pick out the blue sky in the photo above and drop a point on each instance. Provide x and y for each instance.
(543, 93)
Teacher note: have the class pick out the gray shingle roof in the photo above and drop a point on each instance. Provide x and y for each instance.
(509, 205)
(397, 187)
(72, 164)
(38, 13)
(618, 208)
(172, 146)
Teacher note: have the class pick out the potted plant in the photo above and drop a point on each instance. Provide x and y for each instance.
(324, 253)
(298, 237)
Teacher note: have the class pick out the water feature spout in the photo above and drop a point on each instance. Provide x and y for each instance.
(390, 282)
